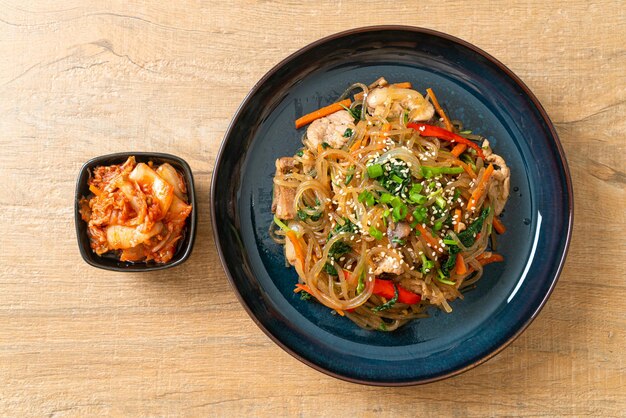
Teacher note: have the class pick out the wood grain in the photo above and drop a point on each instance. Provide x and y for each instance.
(84, 78)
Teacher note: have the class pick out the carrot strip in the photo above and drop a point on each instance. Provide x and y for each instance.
(458, 149)
(457, 218)
(320, 113)
(296, 245)
(300, 287)
(356, 145)
(459, 265)
(403, 85)
(498, 226)
(480, 188)
(434, 243)
(439, 110)
(465, 167)
(340, 312)
(493, 258)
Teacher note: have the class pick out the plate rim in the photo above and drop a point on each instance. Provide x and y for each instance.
(544, 116)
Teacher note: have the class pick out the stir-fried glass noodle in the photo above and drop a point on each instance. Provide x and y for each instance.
(389, 207)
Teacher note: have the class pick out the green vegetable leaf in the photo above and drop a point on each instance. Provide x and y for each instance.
(347, 226)
(304, 295)
(390, 303)
(339, 249)
(356, 112)
(467, 238)
(442, 278)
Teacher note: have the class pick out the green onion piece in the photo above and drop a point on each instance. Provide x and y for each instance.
(396, 202)
(281, 224)
(453, 170)
(386, 213)
(437, 226)
(376, 233)
(399, 213)
(375, 170)
(450, 242)
(386, 198)
(416, 188)
(367, 197)
(300, 153)
(440, 201)
(419, 214)
(427, 172)
(397, 179)
(417, 198)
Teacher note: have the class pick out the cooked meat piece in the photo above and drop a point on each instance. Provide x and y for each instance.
(330, 129)
(283, 203)
(398, 231)
(388, 264)
(380, 82)
(500, 189)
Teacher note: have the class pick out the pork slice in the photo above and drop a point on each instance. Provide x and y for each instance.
(283, 203)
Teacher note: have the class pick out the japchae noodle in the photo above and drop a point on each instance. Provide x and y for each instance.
(389, 207)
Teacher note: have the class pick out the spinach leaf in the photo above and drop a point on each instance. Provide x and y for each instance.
(391, 301)
(467, 238)
(338, 250)
(348, 226)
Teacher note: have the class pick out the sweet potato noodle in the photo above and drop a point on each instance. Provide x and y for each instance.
(136, 211)
(389, 207)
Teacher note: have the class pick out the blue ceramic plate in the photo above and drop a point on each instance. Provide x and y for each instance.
(476, 89)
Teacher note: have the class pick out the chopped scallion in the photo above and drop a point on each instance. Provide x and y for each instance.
(375, 170)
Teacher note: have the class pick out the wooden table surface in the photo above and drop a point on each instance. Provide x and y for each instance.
(83, 78)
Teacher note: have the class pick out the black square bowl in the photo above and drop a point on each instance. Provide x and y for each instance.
(110, 262)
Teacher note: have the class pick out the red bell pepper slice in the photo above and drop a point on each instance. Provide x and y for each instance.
(430, 130)
(385, 289)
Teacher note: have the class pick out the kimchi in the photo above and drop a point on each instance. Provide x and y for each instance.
(136, 211)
